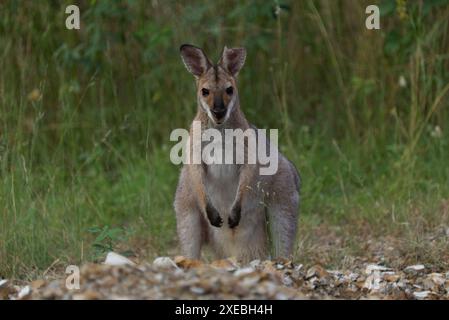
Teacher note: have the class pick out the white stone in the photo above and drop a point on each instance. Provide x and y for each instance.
(243, 271)
(25, 291)
(421, 295)
(374, 267)
(416, 267)
(114, 259)
(164, 263)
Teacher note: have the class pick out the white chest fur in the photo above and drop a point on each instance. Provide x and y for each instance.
(221, 186)
(222, 178)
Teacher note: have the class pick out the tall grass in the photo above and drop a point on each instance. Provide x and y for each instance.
(86, 115)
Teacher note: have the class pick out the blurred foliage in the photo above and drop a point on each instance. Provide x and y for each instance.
(106, 239)
(130, 50)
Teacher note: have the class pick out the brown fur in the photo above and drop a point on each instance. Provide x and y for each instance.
(228, 205)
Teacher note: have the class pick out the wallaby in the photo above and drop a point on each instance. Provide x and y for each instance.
(229, 205)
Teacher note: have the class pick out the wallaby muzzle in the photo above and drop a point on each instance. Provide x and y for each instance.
(219, 109)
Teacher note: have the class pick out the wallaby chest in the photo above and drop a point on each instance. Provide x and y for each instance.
(221, 184)
(221, 178)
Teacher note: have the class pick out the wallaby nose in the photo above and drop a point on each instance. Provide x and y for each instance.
(219, 109)
(219, 113)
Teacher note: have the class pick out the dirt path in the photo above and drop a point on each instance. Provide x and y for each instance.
(182, 278)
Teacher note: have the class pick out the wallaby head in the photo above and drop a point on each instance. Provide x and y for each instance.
(216, 83)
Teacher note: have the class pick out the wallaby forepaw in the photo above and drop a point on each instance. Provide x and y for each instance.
(234, 218)
(216, 221)
(214, 216)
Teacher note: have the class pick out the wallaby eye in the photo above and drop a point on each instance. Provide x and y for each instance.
(230, 90)
(204, 92)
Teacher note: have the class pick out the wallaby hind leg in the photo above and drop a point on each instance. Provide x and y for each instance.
(283, 222)
(283, 211)
(190, 234)
(253, 243)
(189, 222)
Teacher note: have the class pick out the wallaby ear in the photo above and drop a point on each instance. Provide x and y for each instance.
(233, 60)
(194, 59)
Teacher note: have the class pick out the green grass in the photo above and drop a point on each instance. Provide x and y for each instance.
(85, 118)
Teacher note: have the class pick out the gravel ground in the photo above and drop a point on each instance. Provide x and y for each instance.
(181, 278)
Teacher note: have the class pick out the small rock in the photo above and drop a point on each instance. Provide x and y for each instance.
(115, 259)
(374, 267)
(316, 270)
(243, 271)
(437, 278)
(373, 281)
(164, 263)
(24, 292)
(285, 293)
(299, 267)
(415, 268)
(4, 289)
(268, 266)
(428, 284)
(197, 290)
(250, 281)
(391, 277)
(311, 283)
(255, 263)
(227, 264)
(187, 263)
(280, 266)
(37, 284)
(287, 281)
(421, 294)
(353, 276)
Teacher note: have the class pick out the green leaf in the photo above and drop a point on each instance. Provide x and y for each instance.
(103, 235)
(114, 233)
